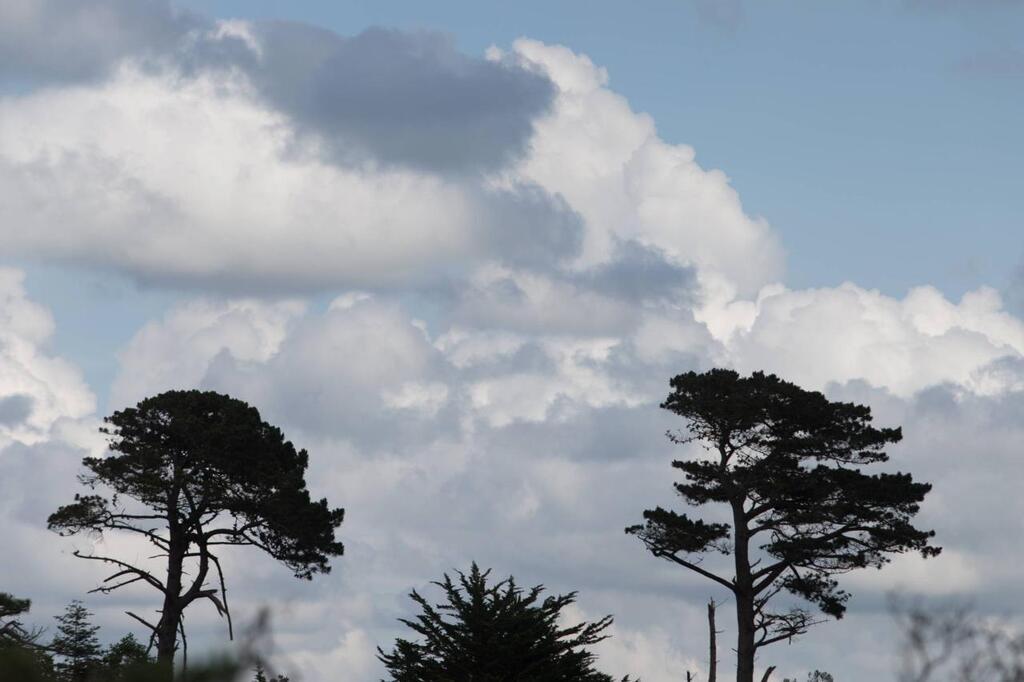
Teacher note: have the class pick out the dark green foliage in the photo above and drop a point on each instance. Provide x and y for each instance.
(200, 470)
(75, 645)
(12, 632)
(123, 655)
(485, 633)
(785, 463)
(20, 656)
(816, 676)
(25, 664)
(185, 448)
(260, 675)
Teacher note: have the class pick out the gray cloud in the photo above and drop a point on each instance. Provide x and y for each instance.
(400, 97)
(15, 409)
(615, 433)
(72, 40)
(637, 272)
(606, 298)
(528, 227)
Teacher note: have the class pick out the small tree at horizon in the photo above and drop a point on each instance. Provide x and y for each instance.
(203, 471)
(12, 631)
(495, 632)
(75, 645)
(260, 675)
(123, 655)
(21, 656)
(785, 464)
(816, 676)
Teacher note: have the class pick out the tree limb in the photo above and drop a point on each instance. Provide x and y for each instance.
(697, 569)
(145, 575)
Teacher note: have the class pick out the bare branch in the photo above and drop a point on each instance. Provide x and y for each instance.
(107, 589)
(142, 620)
(224, 595)
(697, 569)
(184, 644)
(145, 575)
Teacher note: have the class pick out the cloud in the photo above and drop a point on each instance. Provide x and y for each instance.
(384, 96)
(234, 163)
(47, 426)
(37, 389)
(176, 352)
(408, 98)
(15, 409)
(818, 336)
(195, 184)
(360, 370)
(66, 40)
(629, 185)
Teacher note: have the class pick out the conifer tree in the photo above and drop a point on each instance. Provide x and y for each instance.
(260, 675)
(816, 676)
(122, 655)
(785, 463)
(193, 472)
(495, 633)
(75, 644)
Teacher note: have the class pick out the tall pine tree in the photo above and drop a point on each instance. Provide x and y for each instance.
(785, 465)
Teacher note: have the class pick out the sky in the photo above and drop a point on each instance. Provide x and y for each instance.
(457, 249)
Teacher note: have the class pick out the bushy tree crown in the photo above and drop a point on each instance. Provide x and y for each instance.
(495, 633)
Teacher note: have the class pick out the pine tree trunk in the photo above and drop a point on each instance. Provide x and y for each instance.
(744, 595)
(744, 639)
(712, 644)
(167, 627)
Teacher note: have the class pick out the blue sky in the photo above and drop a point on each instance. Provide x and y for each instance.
(462, 277)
